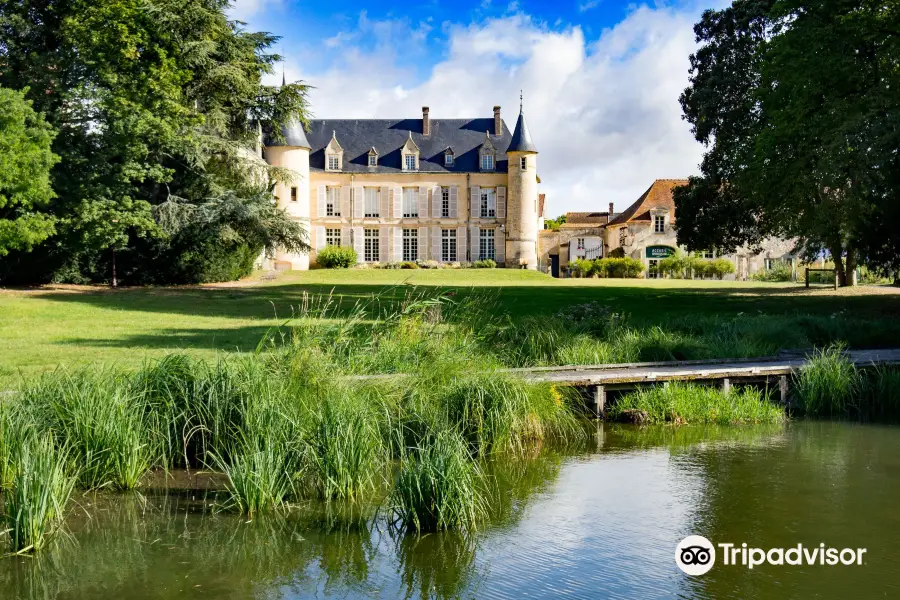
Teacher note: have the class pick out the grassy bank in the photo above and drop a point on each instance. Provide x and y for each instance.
(40, 329)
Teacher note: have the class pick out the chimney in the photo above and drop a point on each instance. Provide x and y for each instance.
(498, 124)
(611, 211)
(426, 122)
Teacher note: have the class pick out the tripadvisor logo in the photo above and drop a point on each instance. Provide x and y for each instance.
(696, 555)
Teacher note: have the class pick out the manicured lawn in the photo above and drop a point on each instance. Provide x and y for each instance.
(40, 329)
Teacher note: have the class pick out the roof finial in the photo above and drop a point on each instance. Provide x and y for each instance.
(333, 134)
(520, 101)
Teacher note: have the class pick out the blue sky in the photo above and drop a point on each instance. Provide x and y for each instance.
(601, 78)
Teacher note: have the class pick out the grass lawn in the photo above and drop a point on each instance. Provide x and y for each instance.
(42, 328)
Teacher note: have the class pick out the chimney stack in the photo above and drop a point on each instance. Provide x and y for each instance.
(611, 211)
(426, 121)
(498, 124)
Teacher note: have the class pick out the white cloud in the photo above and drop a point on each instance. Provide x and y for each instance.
(242, 10)
(604, 114)
(586, 6)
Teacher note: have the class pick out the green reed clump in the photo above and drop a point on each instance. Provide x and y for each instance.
(97, 416)
(260, 479)
(345, 456)
(827, 385)
(35, 503)
(879, 393)
(692, 403)
(15, 430)
(440, 486)
(493, 411)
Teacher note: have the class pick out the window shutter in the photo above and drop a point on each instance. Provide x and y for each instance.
(345, 201)
(461, 244)
(475, 243)
(423, 202)
(345, 237)
(422, 234)
(385, 209)
(398, 243)
(501, 201)
(321, 201)
(384, 245)
(358, 244)
(320, 237)
(476, 202)
(500, 246)
(397, 192)
(436, 243)
(359, 201)
(454, 201)
(437, 200)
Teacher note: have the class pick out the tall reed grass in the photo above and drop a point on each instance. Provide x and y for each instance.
(827, 385)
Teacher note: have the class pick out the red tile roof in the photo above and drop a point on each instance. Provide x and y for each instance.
(658, 195)
(541, 199)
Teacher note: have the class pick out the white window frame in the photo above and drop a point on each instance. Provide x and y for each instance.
(371, 245)
(332, 236)
(371, 202)
(410, 202)
(334, 162)
(488, 202)
(708, 254)
(579, 243)
(373, 160)
(445, 202)
(410, 162)
(486, 247)
(448, 160)
(333, 201)
(449, 249)
(410, 245)
(487, 162)
(659, 224)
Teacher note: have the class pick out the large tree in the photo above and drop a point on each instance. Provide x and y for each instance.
(155, 101)
(797, 103)
(25, 163)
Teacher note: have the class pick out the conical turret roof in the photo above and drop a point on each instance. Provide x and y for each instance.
(521, 137)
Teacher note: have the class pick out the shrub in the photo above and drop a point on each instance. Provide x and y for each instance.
(780, 271)
(628, 268)
(720, 267)
(692, 403)
(485, 263)
(336, 257)
(581, 267)
(428, 264)
(409, 265)
(616, 253)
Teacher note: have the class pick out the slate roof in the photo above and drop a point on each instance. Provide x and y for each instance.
(658, 195)
(521, 139)
(294, 135)
(387, 136)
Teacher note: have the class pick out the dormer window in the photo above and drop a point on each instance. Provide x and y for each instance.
(410, 153)
(659, 224)
(448, 160)
(487, 153)
(334, 154)
(487, 162)
(373, 157)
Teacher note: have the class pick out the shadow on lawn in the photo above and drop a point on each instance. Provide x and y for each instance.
(226, 339)
(649, 304)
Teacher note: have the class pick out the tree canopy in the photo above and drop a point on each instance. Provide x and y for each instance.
(25, 163)
(153, 102)
(797, 102)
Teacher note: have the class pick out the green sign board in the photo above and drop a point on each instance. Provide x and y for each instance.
(659, 251)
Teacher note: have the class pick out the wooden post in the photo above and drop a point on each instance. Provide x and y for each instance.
(783, 388)
(807, 276)
(726, 386)
(835, 279)
(599, 400)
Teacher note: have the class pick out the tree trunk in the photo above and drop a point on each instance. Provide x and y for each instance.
(850, 267)
(114, 282)
(837, 256)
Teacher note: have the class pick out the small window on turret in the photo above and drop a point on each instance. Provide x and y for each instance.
(524, 163)
(294, 194)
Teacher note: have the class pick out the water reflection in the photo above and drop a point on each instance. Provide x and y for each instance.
(598, 522)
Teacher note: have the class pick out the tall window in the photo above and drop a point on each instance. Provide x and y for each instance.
(445, 202)
(294, 194)
(488, 202)
(410, 162)
(370, 204)
(333, 202)
(373, 160)
(332, 237)
(659, 224)
(523, 163)
(448, 245)
(623, 234)
(410, 202)
(487, 162)
(334, 162)
(410, 244)
(448, 160)
(486, 244)
(580, 244)
(371, 245)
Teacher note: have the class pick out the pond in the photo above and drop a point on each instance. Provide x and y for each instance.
(596, 522)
